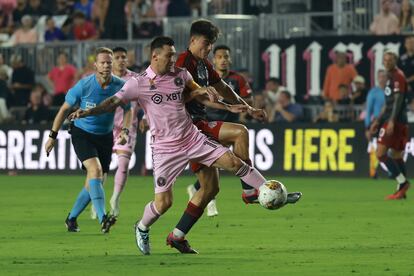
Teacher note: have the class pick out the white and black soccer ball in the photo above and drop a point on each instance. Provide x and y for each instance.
(272, 195)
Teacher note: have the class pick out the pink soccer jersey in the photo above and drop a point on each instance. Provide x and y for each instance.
(175, 139)
(119, 120)
(161, 99)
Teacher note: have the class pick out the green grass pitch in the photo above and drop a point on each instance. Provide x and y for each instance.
(340, 227)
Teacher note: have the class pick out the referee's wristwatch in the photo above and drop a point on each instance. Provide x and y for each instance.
(125, 130)
(53, 134)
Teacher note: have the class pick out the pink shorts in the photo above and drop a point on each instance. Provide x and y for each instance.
(169, 165)
(132, 138)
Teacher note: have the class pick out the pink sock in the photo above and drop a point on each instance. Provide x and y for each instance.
(150, 216)
(251, 176)
(121, 174)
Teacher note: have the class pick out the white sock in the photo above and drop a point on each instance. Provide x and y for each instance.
(142, 226)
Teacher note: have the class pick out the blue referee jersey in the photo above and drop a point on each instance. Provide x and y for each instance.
(88, 93)
(375, 102)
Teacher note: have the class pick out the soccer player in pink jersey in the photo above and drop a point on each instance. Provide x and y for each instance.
(162, 91)
(125, 151)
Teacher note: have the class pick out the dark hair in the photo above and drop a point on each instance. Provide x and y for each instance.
(48, 18)
(275, 80)
(221, 47)
(79, 14)
(103, 50)
(286, 93)
(160, 41)
(119, 49)
(205, 28)
(63, 53)
(343, 86)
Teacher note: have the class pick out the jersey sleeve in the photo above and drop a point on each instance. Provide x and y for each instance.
(74, 94)
(400, 84)
(213, 76)
(187, 76)
(129, 92)
(245, 90)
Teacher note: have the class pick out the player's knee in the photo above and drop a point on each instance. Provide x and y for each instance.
(95, 172)
(242, 133)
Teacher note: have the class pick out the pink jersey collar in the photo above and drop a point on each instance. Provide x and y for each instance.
(150, 73)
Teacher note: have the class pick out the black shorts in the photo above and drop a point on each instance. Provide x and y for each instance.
(88, 145)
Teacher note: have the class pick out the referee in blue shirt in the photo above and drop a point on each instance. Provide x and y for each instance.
(92, 136)
(375, 102)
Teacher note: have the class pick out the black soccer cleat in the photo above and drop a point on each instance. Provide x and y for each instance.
(294, 197)
(107, 222)
(180, 244)
(71, 224)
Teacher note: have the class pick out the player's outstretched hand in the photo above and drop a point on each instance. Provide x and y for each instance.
(143, 125)
(122, 139)
(49, 145)
(373, 129)
(237, 108)
(77, 114)
(258, 114)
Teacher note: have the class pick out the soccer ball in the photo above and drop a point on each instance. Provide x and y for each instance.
(272, 195)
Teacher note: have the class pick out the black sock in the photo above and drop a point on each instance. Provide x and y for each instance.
(391, 165)
(189, 218)
(401, 165)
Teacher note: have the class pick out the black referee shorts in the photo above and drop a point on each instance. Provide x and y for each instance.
(88, 145)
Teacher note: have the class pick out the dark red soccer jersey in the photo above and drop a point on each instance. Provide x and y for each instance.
(203, 74)
(396, 83)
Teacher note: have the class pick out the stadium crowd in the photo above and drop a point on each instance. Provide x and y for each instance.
(345, 90)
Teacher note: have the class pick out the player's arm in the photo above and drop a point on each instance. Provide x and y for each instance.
(107, 106)
(57, 124)
(399, 99)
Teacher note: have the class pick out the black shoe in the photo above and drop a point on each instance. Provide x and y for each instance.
(71, 224)
(107, 221)
(294, 197)
(180, 244)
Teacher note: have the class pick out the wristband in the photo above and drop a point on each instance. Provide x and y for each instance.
(53, 134)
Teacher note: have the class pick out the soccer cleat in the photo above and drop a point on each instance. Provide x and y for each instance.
(71, 224)
(180, 244)
(107, 222)
(114, 207)
(93, 213)
(294, 197)
(400, 194)
(250, 199)
(212, 208)
(191, 191)
(142, 240)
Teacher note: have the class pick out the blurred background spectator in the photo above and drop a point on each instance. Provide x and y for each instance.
(338, 73)
(84, 6)
(410, 113)
(406, 61)
(385, 23)
(327, 115)
(284, 110)
(53, 33)
(62, 77)
(112, 24)
(6, 68)
(36, 112)
(5, 97)
(406, 21)
(375, 101)
(22, 81)
(83, 29)
(26, 33)
(359, 92)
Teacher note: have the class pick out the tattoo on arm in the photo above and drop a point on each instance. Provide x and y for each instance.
(107, 106)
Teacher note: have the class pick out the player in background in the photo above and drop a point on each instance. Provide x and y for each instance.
(222, 63)
(393, 126)
(92, 137)
(175, 139)
(203, 34)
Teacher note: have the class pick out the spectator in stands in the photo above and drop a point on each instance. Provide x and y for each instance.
(178, 8)
(84, 6)
(336, 74)
(406, 20)
(5, 96)
(53, 33)
(88, 69)
(36, 112)
(132, 62)
(284, 110)
(6, 23)
(386, 23)
(344, 97)
(271, 92)
(7, 69)
(83, 29)
(22, 81)
(112, 20)
(195, 7)
(375, 102)
(328, 114)
(62, 77)
(406, 62)
(36, 9)
(20, 11)
(63, 7)
(359, 93)
(26, 34)
(410, 112)
(67, 29)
